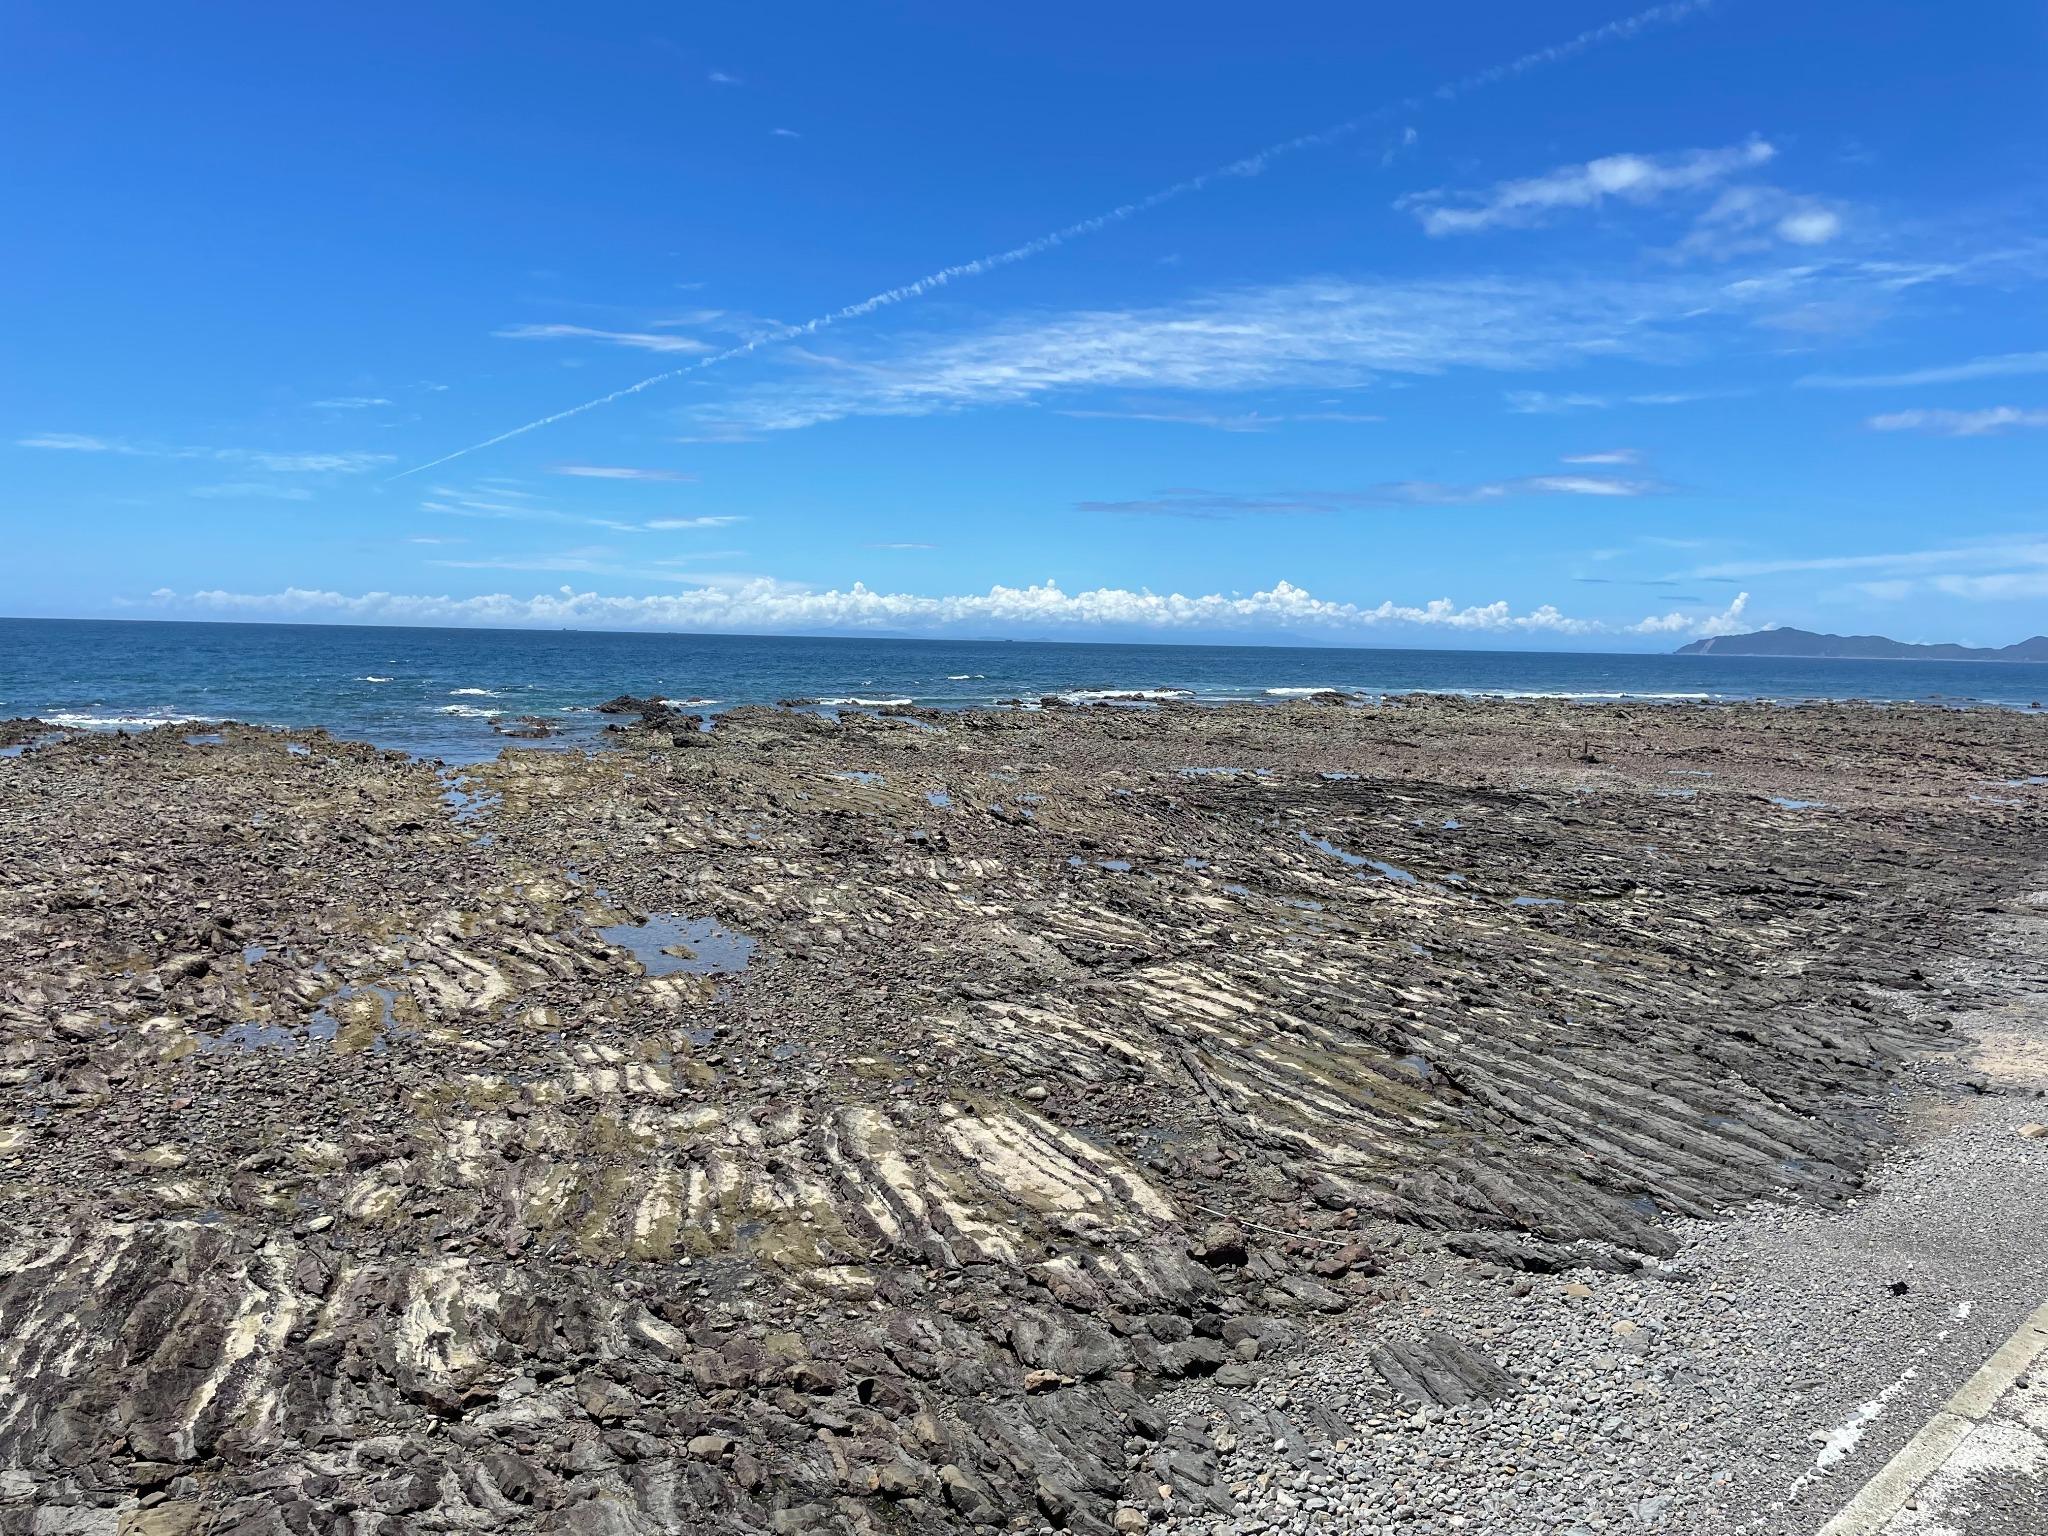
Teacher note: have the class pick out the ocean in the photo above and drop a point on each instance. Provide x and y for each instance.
(434, 692)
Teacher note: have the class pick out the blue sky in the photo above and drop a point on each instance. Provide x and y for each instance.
(1487, 324)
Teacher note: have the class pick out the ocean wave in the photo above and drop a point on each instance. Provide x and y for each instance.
(1563, 693)
(373, 679)
(90, 722)
(689, 702)
(868, 703)
(1079, 695)
(469, 711)
(472, 693)
(964, 677)
(1298, 693)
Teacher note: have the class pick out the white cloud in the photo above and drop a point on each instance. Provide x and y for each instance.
(1195, 502)
(251, 490)
(305, 463)
(1745, 220)
(1810, 226)
(1638, 179)
(1609, 456)
(784, 133)
(2002, 365)
(351, 403)
(762, 604)
(1729, 621)
(1994, 554)
(1538, 402)
(255, 458)
(720, 77)
(1218, 421)
(507, 503)
(1323, 334)
(645, 341)
(617, 472)
(1984, 423)
(72, 442)
(595, 560)
(1998, 586)
(1621, 30)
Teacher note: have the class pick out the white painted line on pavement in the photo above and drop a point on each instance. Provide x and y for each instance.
(1922, 1456)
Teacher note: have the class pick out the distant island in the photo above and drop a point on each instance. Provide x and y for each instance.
(1805, 643)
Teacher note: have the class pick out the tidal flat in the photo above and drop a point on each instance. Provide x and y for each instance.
(862, 1122)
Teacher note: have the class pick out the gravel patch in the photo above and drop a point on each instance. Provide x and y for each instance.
(1748, 1384)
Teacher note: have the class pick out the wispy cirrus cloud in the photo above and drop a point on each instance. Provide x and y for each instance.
(254, 458)
(1638, 179)
(1623, 29)
(597, 560)
(1319, 334)
(1606, 456)
(2001, 567)
(618, 472)
(250, 490)
(644, 341)
(501, 503)
(1541, 402)
(1193, 502)
(1982, 423)
(1997, 366)
(351, 403)
(1741, 218)
(762, 604)
(1222, 421)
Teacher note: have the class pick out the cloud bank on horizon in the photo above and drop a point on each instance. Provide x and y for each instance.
(1590, 339)
(762, 605)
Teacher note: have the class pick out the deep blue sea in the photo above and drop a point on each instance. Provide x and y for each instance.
(434, 691)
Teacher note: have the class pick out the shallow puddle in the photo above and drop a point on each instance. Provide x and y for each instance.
(937, 799)
(859, 776)
(666, 945)
(203, 739)
(1785, 803)
(467, 803)
(1358, 860)
(1536, 901)
(334, 1025)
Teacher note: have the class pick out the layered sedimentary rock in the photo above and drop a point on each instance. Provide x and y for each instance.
(814, 1124)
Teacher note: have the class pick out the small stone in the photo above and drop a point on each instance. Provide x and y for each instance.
(709, 1447)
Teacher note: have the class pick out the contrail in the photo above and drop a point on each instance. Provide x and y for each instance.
(1250, 165)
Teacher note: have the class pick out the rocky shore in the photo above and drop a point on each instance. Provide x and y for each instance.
(903, 1121)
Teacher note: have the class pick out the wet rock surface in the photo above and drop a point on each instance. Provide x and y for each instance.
(860, 1123)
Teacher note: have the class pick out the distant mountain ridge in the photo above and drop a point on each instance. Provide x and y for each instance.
(1804, 642)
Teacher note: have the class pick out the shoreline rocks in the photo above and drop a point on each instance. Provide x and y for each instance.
(460, 1165)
